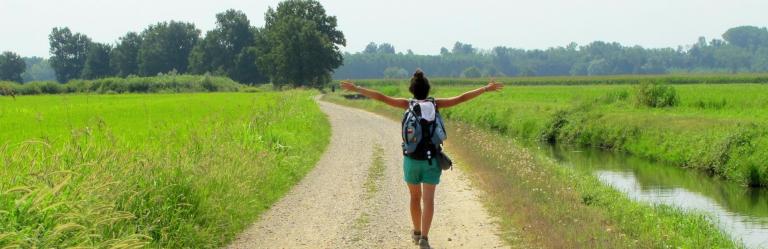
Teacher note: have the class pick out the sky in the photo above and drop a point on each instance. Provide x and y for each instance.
(423, 26)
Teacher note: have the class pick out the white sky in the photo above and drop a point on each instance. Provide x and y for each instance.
(423, 26)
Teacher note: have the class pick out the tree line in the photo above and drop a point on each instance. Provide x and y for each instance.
(741, 49)
(298, 45)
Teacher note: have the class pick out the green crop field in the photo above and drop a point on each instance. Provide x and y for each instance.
(720, 129)
(163, 170)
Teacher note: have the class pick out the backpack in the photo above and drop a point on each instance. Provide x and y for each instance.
(422, 139)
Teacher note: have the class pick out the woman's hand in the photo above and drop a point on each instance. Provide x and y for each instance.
(349, 86)
(494, 86)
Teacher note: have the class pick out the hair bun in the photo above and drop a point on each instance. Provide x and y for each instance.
(418, 74)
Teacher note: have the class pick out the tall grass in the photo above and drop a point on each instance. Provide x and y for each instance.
(169, 83)
(161, 171)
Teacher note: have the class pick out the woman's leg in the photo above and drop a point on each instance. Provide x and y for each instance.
(429, 208)
(415, 190)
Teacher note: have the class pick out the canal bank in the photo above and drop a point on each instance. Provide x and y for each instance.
(741, 212)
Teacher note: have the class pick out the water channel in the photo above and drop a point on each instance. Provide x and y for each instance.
(741, 212)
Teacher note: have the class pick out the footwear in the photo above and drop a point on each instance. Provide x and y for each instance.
(416, 236)
(424, 243)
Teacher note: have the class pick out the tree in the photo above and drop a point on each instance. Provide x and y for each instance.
(599, 67)
(301, 44)
(11, 66)
(246, 70)
(462, 49)
(38, 69)
(166, 46)
(225, 50)
(742, 50)
(472, 72)
(386, 48)
(733, 58)
(444, 51)
(750, 37)
(395, 73)
(69, 52)
(124, 58)
(371, 48)
(208, 55)
(97, 62)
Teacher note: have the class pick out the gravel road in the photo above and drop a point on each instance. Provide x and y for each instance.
(334, 207)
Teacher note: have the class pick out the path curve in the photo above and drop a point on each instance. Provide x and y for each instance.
(332, 207)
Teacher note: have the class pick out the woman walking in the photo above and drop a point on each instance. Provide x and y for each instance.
(420, 173)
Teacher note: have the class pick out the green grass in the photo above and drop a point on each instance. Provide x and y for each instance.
(163, 171)
(375, 172)
(721, 129)
(541, 204)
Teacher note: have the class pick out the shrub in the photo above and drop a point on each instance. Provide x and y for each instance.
(655, 95)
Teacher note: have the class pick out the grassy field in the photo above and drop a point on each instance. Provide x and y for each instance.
(536, 199)
(161, 170)
(716, 128)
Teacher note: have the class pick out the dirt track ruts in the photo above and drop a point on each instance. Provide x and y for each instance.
(331, 208)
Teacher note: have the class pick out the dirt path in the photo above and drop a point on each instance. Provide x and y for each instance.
(355, 197)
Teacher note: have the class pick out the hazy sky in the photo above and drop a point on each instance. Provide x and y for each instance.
(423, 26)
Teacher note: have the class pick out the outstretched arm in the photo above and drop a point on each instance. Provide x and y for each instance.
(394, 102)
(448, 102)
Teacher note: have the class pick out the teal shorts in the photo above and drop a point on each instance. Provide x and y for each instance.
(419, 171)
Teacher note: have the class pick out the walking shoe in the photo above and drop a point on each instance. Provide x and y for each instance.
(424, 243)
(416, 236)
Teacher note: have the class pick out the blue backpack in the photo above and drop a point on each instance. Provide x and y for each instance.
(422, 139)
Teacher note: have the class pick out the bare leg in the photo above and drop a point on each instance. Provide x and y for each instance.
(429, 208)
(415, 190)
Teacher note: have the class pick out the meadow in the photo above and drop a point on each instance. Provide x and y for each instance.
(719, 129)
(160, 171)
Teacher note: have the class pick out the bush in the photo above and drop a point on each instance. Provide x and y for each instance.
(655, 95)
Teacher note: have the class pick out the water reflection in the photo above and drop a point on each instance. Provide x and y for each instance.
(740, 211)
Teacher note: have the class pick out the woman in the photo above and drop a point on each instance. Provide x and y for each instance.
(422, 177)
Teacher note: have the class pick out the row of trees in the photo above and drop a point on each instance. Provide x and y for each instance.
(740, 49)
(11, 66)
(299, 45)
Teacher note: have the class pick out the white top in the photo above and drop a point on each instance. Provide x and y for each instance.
(427, 110)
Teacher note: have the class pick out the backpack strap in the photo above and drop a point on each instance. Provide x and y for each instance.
(434, 102)
(409, 111)
(429, 144)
